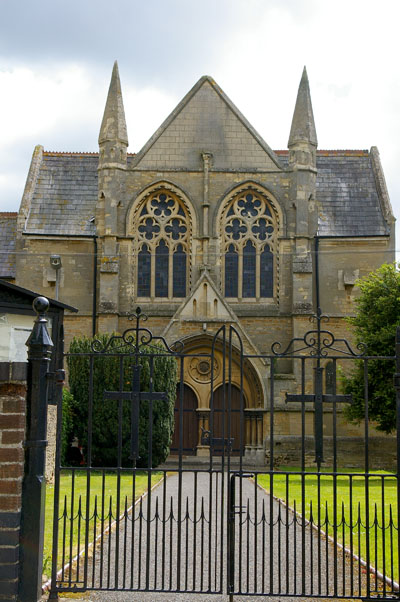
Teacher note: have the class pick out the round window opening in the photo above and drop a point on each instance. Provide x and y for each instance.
(204, 367)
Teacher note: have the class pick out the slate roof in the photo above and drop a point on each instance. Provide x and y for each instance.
(8, 229)
(347, 194)
(64, 199)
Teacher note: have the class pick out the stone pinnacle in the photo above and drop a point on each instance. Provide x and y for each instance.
(113, 126)
(303, 126)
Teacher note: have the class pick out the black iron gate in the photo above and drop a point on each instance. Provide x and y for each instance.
(299, 522)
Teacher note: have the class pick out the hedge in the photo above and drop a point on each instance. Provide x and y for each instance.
(112, 371)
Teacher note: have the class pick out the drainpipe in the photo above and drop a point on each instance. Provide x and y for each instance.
(316, 248)
(94, 308)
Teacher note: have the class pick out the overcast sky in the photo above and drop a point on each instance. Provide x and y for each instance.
(56, 60)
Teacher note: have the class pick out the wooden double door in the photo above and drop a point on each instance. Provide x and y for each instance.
(190, 433)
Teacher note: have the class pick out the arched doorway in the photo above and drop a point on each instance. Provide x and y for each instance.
(220, 416)
(190, 424)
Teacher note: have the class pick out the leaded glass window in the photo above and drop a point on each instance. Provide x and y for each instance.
(266, 273)
(249, 232)
(161, 275)
(144, 273)
(179, 272)
(163, 228)
(249, 270)
(231, 272)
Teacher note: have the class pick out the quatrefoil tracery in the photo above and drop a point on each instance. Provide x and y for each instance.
(163, 218)
(249, 217)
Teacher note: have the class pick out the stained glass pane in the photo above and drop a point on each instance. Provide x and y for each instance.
(162, 206)
(249, 270)
(249, 206)
(266, 273)
(161, 271)
(144, 272)
(175, 229)
(179, 269)
(231, 272)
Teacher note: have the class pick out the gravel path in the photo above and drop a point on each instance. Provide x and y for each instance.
(187, 548)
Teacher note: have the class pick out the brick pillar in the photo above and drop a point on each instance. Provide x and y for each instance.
(12, 435)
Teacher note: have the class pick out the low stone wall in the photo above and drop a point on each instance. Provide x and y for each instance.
(350, 451)
(12, 435)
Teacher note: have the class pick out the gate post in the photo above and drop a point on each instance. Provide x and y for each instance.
(397, 389)
(34, 486)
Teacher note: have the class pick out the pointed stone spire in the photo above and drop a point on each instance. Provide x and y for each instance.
(113, 137)
(303, 136)
(113, 126)
(303, 126)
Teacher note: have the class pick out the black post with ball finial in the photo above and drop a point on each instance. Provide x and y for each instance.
(40, 348)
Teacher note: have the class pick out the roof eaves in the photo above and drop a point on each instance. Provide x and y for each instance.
(29, 293)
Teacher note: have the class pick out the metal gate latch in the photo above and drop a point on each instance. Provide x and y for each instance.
(206, 439)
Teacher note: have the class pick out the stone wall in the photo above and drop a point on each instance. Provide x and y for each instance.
(12, 434)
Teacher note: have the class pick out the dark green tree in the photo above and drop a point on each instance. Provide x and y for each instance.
(375, 322)
(67, 429)
(112, 371)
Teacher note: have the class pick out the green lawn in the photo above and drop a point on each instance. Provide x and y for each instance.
(318, 504)
(103, 497)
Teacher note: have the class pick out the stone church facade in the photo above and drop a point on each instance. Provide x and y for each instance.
(205, 226)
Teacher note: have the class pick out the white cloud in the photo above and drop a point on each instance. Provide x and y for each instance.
(256, 54)
(36, 103)
(145, 110)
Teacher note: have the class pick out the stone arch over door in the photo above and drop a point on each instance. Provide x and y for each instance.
(198, 376)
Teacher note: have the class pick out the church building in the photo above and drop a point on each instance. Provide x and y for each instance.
(206, 225)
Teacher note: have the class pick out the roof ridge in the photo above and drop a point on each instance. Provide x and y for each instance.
(75, 153)
(351, 152)
(8, 213)
(347, 151)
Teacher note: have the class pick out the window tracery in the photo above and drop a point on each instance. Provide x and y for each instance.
(163, 238)
(249, 234)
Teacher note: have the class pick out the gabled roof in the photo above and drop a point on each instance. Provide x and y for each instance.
(349, 193)
(63, 198)
(12, 295)
(206, 119)
(8, 231)
(217, 310)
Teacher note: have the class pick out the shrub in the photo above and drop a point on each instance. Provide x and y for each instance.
(112, 371)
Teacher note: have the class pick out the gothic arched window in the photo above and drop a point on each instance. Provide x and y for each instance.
(163, 236)
(249, 233)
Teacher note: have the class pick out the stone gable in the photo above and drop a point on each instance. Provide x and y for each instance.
(206, 122)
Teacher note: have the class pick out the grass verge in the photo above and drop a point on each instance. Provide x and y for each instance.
(362, 510)
(73, 508)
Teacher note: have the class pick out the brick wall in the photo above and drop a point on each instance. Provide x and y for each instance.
(12, 433)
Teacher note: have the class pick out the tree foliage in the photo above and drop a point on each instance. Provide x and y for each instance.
(377, 316)
(112, 371)
(67, 430)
